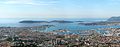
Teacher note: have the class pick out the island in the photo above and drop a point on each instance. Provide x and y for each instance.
(79, 21)
(101, 23)
(110, 21)
(31, 21)
(61, 21)
(114, 19)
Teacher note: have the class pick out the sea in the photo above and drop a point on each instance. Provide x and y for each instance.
(14, 22)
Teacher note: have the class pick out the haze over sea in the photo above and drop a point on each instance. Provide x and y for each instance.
(13, 22)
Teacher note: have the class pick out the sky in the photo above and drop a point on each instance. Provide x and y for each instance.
(59, 8)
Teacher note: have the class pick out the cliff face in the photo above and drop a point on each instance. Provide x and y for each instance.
(114, 19)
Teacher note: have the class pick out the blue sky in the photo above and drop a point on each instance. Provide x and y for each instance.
(59, 8)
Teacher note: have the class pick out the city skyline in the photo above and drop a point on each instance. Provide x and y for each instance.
(59, 8)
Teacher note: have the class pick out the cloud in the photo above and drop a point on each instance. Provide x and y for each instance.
(29, 2)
